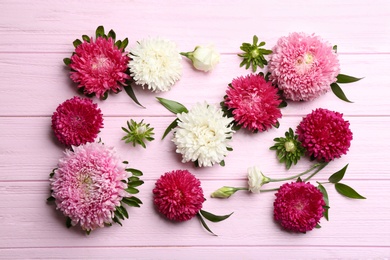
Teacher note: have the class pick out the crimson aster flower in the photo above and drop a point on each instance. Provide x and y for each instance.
(99, 67)
(254, 102)
(178, 195)
(298, 206)
(303, 66)
(88, 185)
(77, 121)
(324, 134)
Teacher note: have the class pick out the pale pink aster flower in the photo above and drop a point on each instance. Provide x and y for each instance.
(178, 195)
(77, 121)
(298, 206)
(303, 66)
(87, 185)
(324, 134)
(99, 67)
(254, 102)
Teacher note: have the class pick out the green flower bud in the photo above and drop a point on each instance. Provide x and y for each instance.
(224, 192)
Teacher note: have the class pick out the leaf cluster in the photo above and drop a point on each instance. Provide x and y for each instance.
(253, 54)
(138, 133)
(133, 181)
(291, 155)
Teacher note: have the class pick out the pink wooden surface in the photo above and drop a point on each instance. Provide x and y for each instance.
(36, 35)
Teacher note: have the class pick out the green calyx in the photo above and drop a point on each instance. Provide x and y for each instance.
(254, 55)
(138, 133)
(288, 149)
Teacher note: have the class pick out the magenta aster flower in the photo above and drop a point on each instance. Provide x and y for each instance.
(99, 66)
(87, 185)
(77, 121)
(178, 195)
(303, 66)
(254, 102)
(298, 206)
(324, 134)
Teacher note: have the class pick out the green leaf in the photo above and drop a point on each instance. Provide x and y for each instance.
(335, 48)
(135, 183)
(317, 226)
(76, 43)
(324, 193)
(123, 211)
(343, 79)
(131, 203)
(125, 162)
(112, 34)
(326, 199)
(100, 31)
(105, 95)
(118, 44)
(212, 217)
(338, 176)
(124, 44)
(116, 220)
(282, 104)
(339, 92)
(133, 198)
(173, 106)
(222, 163)
(132, 190)
(130, 92)
(67, 61)
(50, 199)
(119, 214)
(204, 224)
(347, 191)
(68, 222)
(135, 172)
(86, 38)
(170, 127)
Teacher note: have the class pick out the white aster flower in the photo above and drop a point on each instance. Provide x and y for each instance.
(256, 179)
(156, 63)
(203, 135)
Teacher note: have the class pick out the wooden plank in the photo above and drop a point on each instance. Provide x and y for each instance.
(35, 84)
(36, 152)
(244, 252)
(28, 222)
(52, 26)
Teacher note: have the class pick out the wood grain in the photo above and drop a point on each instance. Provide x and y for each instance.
(37, 35)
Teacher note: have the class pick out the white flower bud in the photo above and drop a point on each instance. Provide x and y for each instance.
(256, 179)
(204, 58)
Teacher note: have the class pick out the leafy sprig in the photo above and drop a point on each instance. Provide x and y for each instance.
(342, 79)
(288, 149)
(211, 217)
(138, 133)
(253, 54)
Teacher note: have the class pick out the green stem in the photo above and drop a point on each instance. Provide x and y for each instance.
(241, 188)
(322, 166)
(275, 189)
(298, 175)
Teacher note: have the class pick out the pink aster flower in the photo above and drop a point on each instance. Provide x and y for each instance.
(99, 66)
(77, 121)
(87, 185)
(178, 195)
(324, 134)
(303, 66)
(254, 102)
(298, 206)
